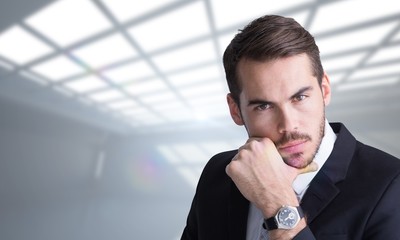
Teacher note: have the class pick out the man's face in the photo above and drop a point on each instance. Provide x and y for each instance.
(282, 100)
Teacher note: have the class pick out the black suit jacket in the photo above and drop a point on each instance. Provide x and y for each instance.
(355, 195)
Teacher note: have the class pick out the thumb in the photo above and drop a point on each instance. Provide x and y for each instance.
(312, 167)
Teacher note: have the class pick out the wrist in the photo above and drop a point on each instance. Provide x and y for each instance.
(284, 234)
(287, 217)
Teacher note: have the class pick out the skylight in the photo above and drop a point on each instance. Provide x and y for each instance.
(127, 10)
(67, 22)
(240, 12)
(353, 12)
(365, 37)
(122, 104)
(147, 86)
(128, 72)
(195, 76)
(203, 52)
(158, 63)
(186, 23)
(20, 47)
(368, 84)
(105, 51)
(57, 68)
(86, 84)
(107, 95)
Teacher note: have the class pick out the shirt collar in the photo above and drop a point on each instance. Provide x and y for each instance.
(302, 181)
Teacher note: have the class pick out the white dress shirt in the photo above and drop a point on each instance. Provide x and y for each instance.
(300, 185)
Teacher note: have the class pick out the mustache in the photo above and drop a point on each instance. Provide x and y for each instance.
(291, 136)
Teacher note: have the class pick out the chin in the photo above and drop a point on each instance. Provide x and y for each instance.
(297, 161)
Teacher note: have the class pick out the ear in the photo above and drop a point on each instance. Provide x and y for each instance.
(326, 89)
(234, 109)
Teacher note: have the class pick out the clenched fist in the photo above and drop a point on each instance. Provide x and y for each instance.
(262, 176)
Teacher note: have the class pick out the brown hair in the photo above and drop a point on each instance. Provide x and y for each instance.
(267, 38)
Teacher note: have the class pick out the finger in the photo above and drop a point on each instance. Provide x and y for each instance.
(312, 167)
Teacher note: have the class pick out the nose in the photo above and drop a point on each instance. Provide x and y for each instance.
(287, 120)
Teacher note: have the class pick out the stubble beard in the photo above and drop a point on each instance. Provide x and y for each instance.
(298, 160)
(299, 136)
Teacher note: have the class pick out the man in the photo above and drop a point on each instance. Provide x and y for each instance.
(297, 176)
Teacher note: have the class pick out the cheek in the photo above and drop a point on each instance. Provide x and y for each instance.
(259, 125)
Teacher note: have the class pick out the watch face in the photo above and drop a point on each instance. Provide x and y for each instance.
(288, 218)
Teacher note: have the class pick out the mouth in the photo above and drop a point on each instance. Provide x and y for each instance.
(292, 147)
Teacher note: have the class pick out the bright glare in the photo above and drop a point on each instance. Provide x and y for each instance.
(67, 22)
(126, 10)
(128, 72)
(57, 68)
(186, 23)
(86, 84)
(20, 47)
(187, 56)
(105, 51)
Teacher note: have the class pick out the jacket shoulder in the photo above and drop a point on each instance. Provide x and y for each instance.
(215, 167)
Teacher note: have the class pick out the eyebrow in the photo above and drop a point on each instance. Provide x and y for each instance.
(299, 92)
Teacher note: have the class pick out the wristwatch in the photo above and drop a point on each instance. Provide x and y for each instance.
(287, 218)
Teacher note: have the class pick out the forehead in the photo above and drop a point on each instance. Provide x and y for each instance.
(276, 76)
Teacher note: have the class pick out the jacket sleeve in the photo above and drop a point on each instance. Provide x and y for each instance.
(190, 230)
(385, 218)
(305, 234)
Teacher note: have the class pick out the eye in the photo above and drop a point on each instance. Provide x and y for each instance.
(299, 98)
(263, 107)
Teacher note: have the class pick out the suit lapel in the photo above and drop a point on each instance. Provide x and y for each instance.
(238, 213)
(323, 189)
(318, 196)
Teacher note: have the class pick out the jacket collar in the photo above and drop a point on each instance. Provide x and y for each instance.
(322, 189)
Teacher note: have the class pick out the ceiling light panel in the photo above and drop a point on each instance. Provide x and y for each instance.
(202, 90)
(209, 99)
(128, 72)
(194, 76)
(108, 95)
(366, 37)
(241, 12)
(67, 22)
(105, 51)
(368, 84)
(86, 84)
(385, 54)
(376, 71)
(57, 68)
(351, 13)
(147, 86)
(125, 10)
(203, 52)
(20, 47)
(190, 175)
(122, 105)
(134, 111)
(342, 62)
(173, 110)
(177, 115)
(149, 119)
(336, 77)
(187, 22)
(191, 153)
(170, 106)
(159, 97)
